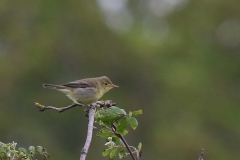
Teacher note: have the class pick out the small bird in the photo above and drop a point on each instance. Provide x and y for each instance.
(85, 91)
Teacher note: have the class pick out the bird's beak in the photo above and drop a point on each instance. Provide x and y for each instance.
(112, 85)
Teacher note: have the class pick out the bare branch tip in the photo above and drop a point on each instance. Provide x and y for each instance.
(201, 155)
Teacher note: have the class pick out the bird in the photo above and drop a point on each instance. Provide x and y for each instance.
(85, 91)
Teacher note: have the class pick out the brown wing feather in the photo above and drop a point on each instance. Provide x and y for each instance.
(78, 84)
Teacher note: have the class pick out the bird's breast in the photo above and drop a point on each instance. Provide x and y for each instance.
(85, 95)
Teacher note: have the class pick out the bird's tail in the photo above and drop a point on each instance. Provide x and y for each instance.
(53, 86)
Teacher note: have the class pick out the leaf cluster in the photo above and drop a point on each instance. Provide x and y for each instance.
(118, 117)
(115, 121)
(9, 152)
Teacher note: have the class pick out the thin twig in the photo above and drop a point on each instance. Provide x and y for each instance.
(43, 108)
(62, 109)
(201, 155)
(124, 141)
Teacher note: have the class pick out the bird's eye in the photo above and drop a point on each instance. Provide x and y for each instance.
(106, 84)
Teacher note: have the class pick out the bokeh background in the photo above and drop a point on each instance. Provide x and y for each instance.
(177, 60)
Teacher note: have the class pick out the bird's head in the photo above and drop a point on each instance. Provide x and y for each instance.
(106, 83)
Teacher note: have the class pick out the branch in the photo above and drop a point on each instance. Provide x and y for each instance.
(124, 141)
(91, 112)
(42, 108)
(201, 155)
(84, 151)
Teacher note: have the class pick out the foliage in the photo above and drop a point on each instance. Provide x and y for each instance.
(115, 121)
(9, 152)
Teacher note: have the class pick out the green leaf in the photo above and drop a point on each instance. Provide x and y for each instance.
(105, 152)
(133, 122)
(3, 155)
(137, 112)
(130, 114)
(2, 149)
(115, 139)
(139, 146)
(109, 119)
(121, 142)
(125, 132)
(122, 126)
(104, 133)
(3, 145)
(118, 141)
(117, 110)
(108, 116)
(32, 149)
(22, 150)
(40, 149)
(113, 153)
(97, 114)
(121, 153)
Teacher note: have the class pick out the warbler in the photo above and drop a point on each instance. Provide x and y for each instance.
(84, 91)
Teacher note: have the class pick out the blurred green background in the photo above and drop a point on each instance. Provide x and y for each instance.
(177, 60)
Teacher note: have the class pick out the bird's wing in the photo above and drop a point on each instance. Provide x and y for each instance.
(78, 84)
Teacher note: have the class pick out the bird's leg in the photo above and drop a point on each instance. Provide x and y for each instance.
(61, 109)
(68, 107)
(86, 112)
